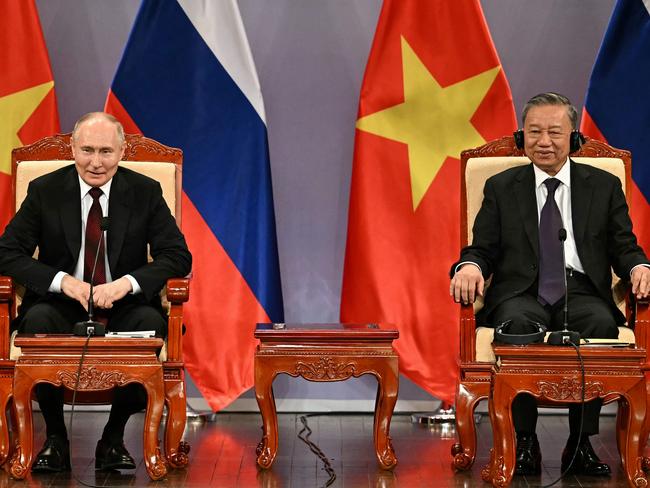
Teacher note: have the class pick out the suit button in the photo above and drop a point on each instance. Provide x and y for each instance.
(533, 267)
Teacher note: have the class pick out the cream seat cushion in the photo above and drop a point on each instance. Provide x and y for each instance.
(163, 172)
(477, 171)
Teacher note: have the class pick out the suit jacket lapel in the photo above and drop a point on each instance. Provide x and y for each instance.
(119, 213)
(71, 212)
(527, 203)
(581, 195)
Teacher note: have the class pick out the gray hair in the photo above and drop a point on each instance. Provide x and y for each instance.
(551, 98)
(100, 115)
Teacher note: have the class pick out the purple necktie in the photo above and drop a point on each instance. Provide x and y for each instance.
(551, 269)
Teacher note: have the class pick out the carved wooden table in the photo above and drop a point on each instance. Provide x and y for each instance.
(108, 362)
(552, 375)
(326, 352)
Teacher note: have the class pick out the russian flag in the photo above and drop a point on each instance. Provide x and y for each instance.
(617, 108)
(187, 78)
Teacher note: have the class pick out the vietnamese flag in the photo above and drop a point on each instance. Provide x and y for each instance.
(617, 108)
(27, 103)
(433, 86)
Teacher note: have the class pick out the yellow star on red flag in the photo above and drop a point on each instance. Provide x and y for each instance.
(434, 121)
(16, 108)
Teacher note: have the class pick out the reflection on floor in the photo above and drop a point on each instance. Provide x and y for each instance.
(223, 455)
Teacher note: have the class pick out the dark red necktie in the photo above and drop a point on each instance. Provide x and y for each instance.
(551, 269)
(93, 233)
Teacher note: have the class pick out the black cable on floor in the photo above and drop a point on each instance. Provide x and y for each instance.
(316, 450)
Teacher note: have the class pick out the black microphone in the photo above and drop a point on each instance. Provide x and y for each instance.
(564, 336)
(90, 326)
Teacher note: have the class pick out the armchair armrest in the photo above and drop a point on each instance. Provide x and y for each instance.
(640, 311)
(467, 334)
(178, 292)
(6, 289)
(6, 305)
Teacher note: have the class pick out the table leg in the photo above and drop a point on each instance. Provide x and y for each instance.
(175, 449)
(21, 461)
(632, 453)
(500, 407)
(153, 459)
(387, 387)
(268, 446)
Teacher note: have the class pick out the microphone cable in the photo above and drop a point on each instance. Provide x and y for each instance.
(582, 414)
(74, 398)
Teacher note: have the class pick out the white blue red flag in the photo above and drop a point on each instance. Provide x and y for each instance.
(617, 108)
(187, 78)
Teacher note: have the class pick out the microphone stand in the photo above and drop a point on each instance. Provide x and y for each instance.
(564, 336)
(91, 327)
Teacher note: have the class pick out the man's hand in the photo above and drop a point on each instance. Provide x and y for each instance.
(76, 289)
(467, 284)
(641, 281)
(105, 295)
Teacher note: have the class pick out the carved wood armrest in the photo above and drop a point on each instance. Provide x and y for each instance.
(6, 289)
(641, 314)
(467, 334)
(178, 290)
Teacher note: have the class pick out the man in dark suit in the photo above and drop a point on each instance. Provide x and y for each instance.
(513, 243)
(61, 215)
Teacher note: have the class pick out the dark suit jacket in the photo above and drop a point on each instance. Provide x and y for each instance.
(50, 218)
(506, 242)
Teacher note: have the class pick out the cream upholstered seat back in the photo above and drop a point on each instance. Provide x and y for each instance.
(477, 171)
(163, 172)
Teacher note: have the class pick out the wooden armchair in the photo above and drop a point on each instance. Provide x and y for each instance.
(163, 164)
(476, 354)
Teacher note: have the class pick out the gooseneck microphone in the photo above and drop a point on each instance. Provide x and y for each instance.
(564, 336)
(90, 326)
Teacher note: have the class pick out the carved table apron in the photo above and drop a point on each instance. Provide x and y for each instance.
(108, 362)
(552, 375)
(326, 352)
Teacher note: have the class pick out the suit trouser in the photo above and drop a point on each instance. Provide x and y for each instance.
(588, 314)
(55, 314)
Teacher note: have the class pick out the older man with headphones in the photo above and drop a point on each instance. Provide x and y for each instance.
(516, 242)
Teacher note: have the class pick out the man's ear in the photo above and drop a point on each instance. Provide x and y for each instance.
(122, 151)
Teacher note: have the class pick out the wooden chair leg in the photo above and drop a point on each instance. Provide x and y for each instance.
(464, 451)
(176, 450)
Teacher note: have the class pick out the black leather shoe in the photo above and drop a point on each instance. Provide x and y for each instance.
(53, 457)
(528, 460)
(112, 456)
(586, 461)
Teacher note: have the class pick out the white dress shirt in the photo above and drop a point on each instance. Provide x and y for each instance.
(86, 203)
(563, 200)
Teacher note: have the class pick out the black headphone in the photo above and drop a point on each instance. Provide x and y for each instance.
(502, 334)
(576, 140)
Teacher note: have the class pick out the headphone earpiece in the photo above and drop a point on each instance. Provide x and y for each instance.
(576, 140)
(519, 138)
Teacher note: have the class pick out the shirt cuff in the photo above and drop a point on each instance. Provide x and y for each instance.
(134, 285)
(55, 286)
(467, 262)
(635, 267)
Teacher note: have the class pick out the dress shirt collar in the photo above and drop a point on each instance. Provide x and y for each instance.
(564, 175)
(85, 187)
